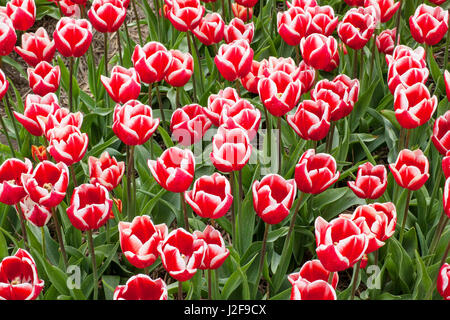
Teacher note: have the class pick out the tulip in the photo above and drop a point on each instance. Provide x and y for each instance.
(302, 3)
(60, 118)
(441, 133)
(313, 270)
(314, 173)
(306, 75)
(72, 36)
(123, 85)
(19, 279)
(141, 287)
(323, 20)
(437, 2)
(446, 165)
(231, 149)
(189, 124)
(428, 24)
(8, 35)
(210, 29)
(237, 30)
(273, 197)
(67, 144)
(247, 3)
(385, 41)
(241, 12)
(251, 80)
(293, 25)
(371, 181)
(140, 240)
(180, 70)
(22, 13)
(90, 206)
(341, 95)
(355, 3)
(133, 123)
(387, 8)
(174, 169)
(185, 15)
(411, 170)
(340, 243)
(182, 254)
(234, 60)
(446, 197)
(406, 71)
(447, 83)
(320, 52)
(357, 27)
(317, 290)
(210, 197)
(69, 8)
(39, 153)
(106, 171)
(36, 47)
(220, 101)
(151, 62)
(44, 78)
(443, 281)
(34, 107)
(11, 188)
(414, 106)
(311, 120)
(215, 251)
(242, 115)
(401, 51)
(35, 213)
(4, 84)
(107, 15)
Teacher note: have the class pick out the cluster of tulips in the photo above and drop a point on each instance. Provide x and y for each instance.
(36, 190)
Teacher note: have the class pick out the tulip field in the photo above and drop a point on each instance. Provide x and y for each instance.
(224, 150)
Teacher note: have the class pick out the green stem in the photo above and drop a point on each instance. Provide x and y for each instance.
(355, 279)
(180, 290)
(405, 216)
(185, 215)
(269, 132)
(7, 137)
(59, 236)
(447, 45)
(397, 25)
(127, 34)
(436, 186)
(9, 110)
(130, 198)
(280, 146)
(22, 226)
(160, 104)
(194, 84)
(233, 207)
(44, 254)
(70, 83)
(138, 23)
(437, 235)
(197, 53)
(73, 176)
(209, 284)
(94, 262)
(261, 259)
(355, 63)
(330, 137)
(119, 45)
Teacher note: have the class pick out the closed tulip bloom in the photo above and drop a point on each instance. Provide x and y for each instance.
(443, 281)
(60, 118)
(406, 71)
(311, 120)
(182, 254)
(210, 197)
(414, 106)
(37, 214)
(34, 107)
(215, 251)
(357, 27)
(385, 41)
(371, 181)
(401, 51)
(446, 165)
(286, 65)
(317, 290)
(4, 84)
(231, 149)
(411, 170)
(67, 144)
(123, 85)
(189, 124)
(72, 36)
(293, 25)
(237, 30)
(314, 173)
(251, 80)
(340, 243)
(242, 115)
(306, 75)
(210, 29)
(446, 197)
(387, 8)
(323, 20)
(19, 279)
(219, 102)
(90, 207)
(140, 240)
(11, 187)
(133, 123)
(234, 60)
(69, 8)
(428, 24)
(141, 287)
(241, 12)
(47, 184)
(441, 133)
(447, 83)
(106, 171)
(273, 197)
(180, 70)
(151, 62)
(44, 79)
(313, 270)
(8, 35)
(107, 15)
(320, 52)
(185, 15)
(22, 13)
(341, 95)
(36, 47)
(174, 169)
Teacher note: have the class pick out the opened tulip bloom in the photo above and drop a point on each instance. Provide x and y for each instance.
(141, 287)
(237, 30)
(151, 62)
(219, 102)
(210, 196)
(174, 169)
(107, 15)
(189, 124)
(441, 133)
(19, 279)
(90, 207)
(123, 85)
(311, 120)
(320, 52)
(293, 25)
(210, 29)
(37, 214)
(273, 197)
(67, 144)
(106, 170)
(357, 27)
(133, 122)
(140, 239)
(36, 47)
(371, 181)
(72, 36)
(185, 15)
(22, 13)
(215, 251)
(44, 79)
(11, 187)
(411, 170)
(180, 70)
(234, 60)
(8, 35)
(429, 24)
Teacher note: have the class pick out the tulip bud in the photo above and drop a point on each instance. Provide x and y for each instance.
(429, 24)
(210, 29)
(234, 60)
(181, 69)
(151, 62)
